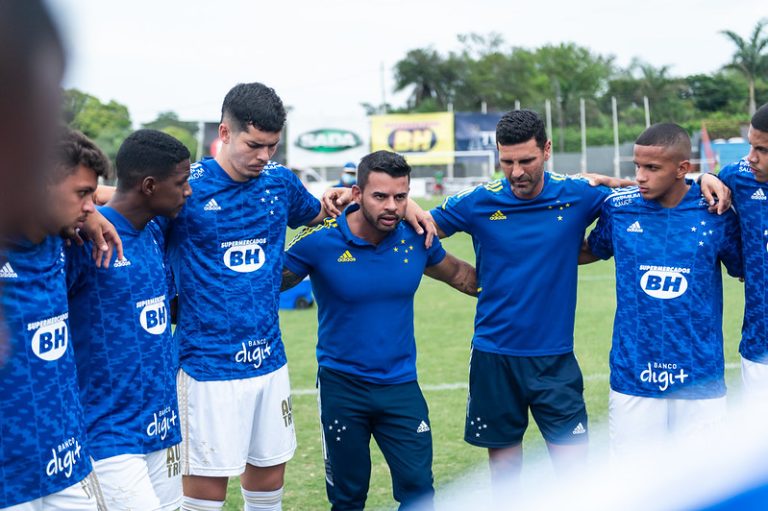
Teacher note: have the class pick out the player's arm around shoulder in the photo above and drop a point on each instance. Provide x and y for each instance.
(298, 259)
(456, 273)
(599, 243)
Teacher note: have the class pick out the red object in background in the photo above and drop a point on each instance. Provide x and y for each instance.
(215, 147)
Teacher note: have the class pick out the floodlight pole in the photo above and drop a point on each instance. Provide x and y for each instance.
(616, 166)
(582, 107)
(548, 112)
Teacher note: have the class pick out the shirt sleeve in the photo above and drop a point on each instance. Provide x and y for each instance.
(298, 257)
(731, 250)
(303, 206)
(600, 240)
(76, 261)
(454, 213)
(435, 253)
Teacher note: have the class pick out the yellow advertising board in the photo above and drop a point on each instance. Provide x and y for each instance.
(427, 139)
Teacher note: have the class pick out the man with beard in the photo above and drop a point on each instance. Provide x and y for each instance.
(365, 268)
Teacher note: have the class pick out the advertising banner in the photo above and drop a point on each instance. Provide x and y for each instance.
(326, 140)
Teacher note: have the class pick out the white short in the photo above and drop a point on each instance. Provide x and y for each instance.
(634, 421)
(150, 482)
(82, 496)
(754, 377)
(226, 424)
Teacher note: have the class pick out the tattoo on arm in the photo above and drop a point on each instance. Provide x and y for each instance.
(290, 279)
(457, 273)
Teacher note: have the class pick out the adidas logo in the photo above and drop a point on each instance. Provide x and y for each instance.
(635, 227)
(6, 272)
(346, 257)
(579, 429)
(212, 206)
(759, 195)
(121, 262)
(498, 216)
(423, 427)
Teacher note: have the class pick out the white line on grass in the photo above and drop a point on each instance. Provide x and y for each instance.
(463, 385)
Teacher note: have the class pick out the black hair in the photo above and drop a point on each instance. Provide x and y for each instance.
(147, 153)
(256, 105)
(390, 163)
(74, 149)
(519, 126)
(666, 134)
(760, 119)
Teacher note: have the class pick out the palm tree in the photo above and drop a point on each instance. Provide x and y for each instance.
(749, 58)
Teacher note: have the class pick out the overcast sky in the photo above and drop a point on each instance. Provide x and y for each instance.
(327, 55)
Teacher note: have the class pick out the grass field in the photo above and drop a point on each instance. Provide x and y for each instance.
(443, 321)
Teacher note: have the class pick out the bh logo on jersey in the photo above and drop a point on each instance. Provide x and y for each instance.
(154, 315)
(51, 337)
(664, 283)
(64, 457)
(162, 422)
(244, 256)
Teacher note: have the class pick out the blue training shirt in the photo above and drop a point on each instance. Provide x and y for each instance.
(364, 296)
(42, 433)
(526, 258)
(667, 332)
(226, 250)
(125, 352)
(750, 198)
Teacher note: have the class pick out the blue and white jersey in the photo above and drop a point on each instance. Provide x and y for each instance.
(527, 255)
(750, 198)
(124, 348)
(226, 250)
(42, 434)
(364, 296)
(667, 332)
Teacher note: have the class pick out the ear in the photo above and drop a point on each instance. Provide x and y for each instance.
(224, 132)
(148, 186)
(683, 169)
(357, 193)
(547, 149)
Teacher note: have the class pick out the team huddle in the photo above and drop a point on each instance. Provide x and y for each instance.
(106, 407)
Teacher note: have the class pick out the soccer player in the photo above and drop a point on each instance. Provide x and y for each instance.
(748, 180)
(365, 268)
(120, 314)
(527, 229)
(44, 458)
(226, 250)
(667, 366)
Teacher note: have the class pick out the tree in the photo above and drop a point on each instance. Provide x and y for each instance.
(430, 76)
(184, 131)
(108, 124)
(750, 58)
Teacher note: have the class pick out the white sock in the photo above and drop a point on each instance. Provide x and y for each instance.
(262, 500)
(190, 504)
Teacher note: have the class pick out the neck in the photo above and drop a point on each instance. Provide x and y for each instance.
(674, 195)
(360, 227)
(227, 166)
(128, 205)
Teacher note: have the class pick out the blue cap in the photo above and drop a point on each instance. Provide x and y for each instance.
(350, 167)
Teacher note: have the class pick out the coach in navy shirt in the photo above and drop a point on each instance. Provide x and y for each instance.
(365, 268)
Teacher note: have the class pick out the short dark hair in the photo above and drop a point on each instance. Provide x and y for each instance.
(74, 149)
(254, 104)
(147, 153)
(666, 134)
(760, 119)
(390, 163)
(519, 126)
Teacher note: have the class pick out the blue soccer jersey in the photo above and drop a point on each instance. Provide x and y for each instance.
(42, 434)
(667, 332)
(125, 352)
(226, 250)
(364, 296)
(750, 198)
(526, 257)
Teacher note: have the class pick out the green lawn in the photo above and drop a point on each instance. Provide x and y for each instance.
(443, 333)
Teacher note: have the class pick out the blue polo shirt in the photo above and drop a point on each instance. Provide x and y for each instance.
(667, 332)
(750, 198)
(42, 433)
(526, 254)
(126, 356)
(364, 296)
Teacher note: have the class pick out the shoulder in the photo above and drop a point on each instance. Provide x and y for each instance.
(197, 170)
(314, 234)
(623, 197)
(473, 193)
